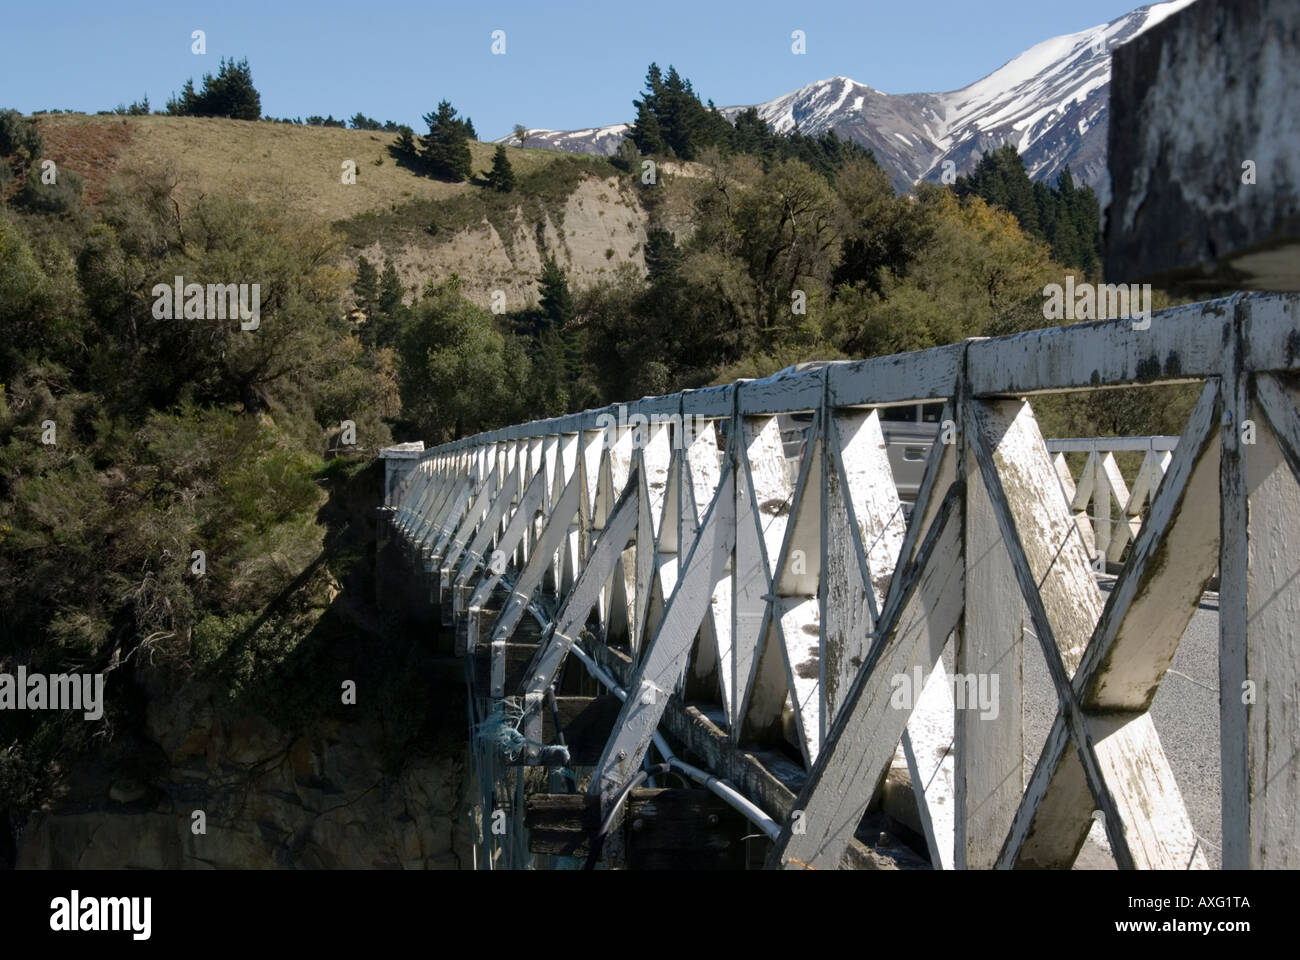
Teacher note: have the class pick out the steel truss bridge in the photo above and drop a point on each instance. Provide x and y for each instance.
(679, 655)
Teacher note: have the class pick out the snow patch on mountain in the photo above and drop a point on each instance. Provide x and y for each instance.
(1051, 102)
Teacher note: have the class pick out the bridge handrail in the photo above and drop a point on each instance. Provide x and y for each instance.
(1110, 444)
(1182, 344)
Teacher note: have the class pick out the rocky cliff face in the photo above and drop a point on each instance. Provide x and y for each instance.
(318, 800)
(600, 226)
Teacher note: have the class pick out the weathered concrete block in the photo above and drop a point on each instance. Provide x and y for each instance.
(1200, 105)
(399, 460)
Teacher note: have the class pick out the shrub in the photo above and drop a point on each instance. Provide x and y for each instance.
(62, 196)
(20, 141)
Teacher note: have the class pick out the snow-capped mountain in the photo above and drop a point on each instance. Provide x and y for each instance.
(602, 141)
(1051, 102)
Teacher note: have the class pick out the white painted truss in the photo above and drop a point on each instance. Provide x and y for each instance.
(684, 560)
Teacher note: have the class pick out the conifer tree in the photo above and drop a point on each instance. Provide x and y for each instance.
(386, 313)
(235, 94)
(501, 177)
(229, 94)
(645, 131)
(405, 147)
(390, 291)
(446, 146)
(662, 257)
(671, 119)
(183, 105)
(552, 374)
(556, 301)
(1067, 217)
(365, 289)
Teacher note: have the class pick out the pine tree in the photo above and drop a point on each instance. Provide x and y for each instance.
(366, 289)
(183, 105)
(446, 146)
(235, 94)
(751, 133)
(1079, 206)
(552, 374)
(405, 147)
(646, 132)
(673, 115)
(501, 178)
(381, 299)
(671, 119)
(556, 302)
(229, 94)
(1000, 178)
(1066, 216)
(662, 256)
(390, 291)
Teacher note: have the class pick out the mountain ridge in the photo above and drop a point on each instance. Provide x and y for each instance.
(1051, 102)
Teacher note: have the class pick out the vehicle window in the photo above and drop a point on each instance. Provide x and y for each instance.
(898, 414)
(931, 412)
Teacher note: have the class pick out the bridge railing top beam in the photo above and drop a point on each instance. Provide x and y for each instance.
(1177, 345)
(1110, 444)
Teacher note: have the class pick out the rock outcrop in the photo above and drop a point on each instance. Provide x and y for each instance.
(268, 799)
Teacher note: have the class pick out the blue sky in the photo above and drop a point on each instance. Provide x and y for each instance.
(567, 64)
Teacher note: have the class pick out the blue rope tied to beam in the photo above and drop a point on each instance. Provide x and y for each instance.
(500, 728)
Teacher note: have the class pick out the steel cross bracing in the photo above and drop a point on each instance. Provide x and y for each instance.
(666, 543)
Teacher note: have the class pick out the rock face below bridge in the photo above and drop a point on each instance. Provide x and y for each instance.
(1200, 105)
(322, 799)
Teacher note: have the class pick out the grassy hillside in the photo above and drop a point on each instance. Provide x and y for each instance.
(572, 207)
(261, 161)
